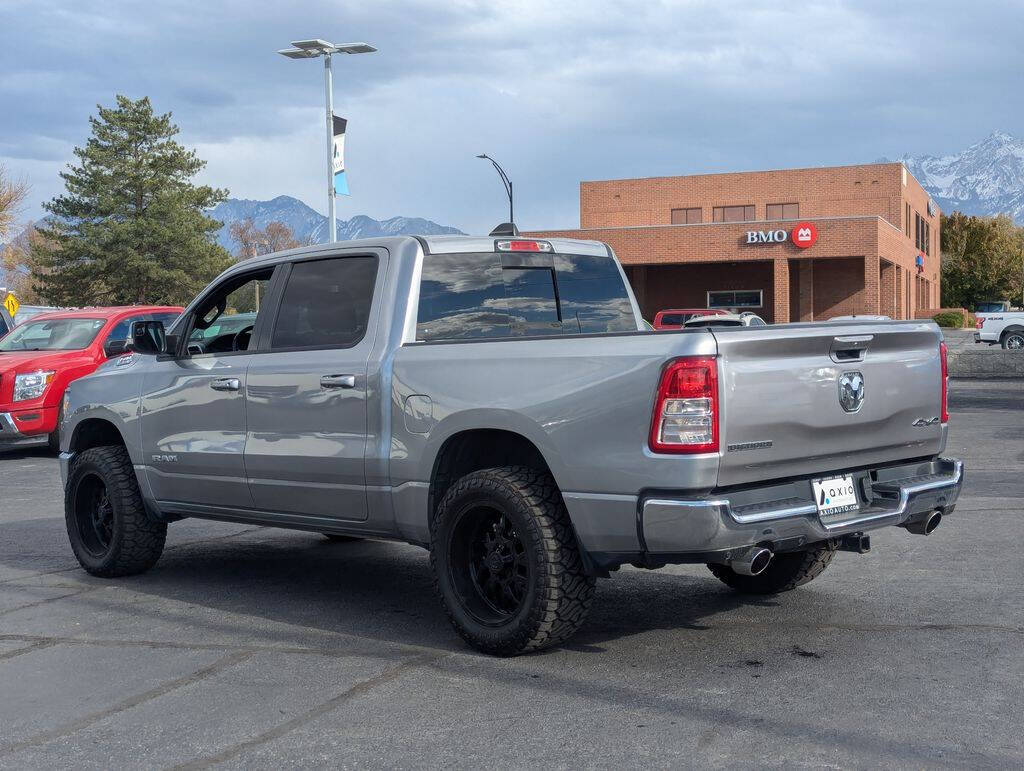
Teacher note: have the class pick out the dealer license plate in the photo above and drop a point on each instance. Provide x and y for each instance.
(835, 495)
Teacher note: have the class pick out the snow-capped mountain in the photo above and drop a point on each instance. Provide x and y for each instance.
(310, 226)
(986, 178)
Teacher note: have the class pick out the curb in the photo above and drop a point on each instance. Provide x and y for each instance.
(986, 364)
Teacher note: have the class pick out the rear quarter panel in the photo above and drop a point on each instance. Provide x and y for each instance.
(585, 402)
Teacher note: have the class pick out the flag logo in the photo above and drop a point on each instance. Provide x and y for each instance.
(338, 156)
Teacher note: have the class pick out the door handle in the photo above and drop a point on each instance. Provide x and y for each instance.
(225, 384)
(338, 381)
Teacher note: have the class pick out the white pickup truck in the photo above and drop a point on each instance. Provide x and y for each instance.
(1005, 328)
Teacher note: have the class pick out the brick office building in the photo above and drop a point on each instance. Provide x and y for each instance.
(793, 245)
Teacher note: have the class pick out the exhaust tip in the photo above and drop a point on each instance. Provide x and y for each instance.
(926, 524)
(752, 562)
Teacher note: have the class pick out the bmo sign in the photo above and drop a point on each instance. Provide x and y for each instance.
(805, 234)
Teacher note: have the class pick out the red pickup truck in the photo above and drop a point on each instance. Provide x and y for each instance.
(39, 358)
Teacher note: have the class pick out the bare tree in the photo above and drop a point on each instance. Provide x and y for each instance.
(253, 242)
(12, 195)
(16, 260)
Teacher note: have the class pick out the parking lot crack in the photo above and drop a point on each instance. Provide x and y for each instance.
(37, 645)
(225, 662)
(359, 689)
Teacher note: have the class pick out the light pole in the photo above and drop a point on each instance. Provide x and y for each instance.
(505, 181)
(311, 49)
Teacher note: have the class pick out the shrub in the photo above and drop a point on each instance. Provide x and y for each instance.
(949, 319)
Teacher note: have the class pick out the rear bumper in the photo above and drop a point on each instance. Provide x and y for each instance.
(26, 426)
(786, 517)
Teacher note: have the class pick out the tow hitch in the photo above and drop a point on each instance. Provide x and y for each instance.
(859, 543)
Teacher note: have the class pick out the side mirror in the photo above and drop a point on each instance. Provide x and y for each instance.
(147, 337)
(114, 348)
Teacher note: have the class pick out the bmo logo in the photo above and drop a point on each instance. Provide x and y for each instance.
(766, 236)
(803, 235)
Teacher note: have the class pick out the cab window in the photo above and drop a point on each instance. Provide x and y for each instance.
(326, 303)
(226, 319)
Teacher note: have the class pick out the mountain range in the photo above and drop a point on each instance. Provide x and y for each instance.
(310, 227)
(987, 178)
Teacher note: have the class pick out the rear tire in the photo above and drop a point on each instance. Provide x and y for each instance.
(110, 532)
(1014, 341)
(784, 572)
(506, 565)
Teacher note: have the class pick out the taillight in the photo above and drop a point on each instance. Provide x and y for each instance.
(979, 322)
(945, 383)
(686, 408)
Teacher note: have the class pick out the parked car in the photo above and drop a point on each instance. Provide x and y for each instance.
(1004, 328)
(717, 320)
(861, 317)
(26, 312)
(675, 318)
(992, 306)
(38, 359)
(439, 390)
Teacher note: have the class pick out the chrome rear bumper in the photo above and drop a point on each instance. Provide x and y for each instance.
(890, 496)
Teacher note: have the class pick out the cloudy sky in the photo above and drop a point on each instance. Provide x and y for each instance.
(556, 91)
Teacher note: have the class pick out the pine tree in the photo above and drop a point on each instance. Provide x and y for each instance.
(131, 227)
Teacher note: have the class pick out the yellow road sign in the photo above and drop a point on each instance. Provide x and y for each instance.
(12, 305)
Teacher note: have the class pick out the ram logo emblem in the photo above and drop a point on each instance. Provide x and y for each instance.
(851, 391)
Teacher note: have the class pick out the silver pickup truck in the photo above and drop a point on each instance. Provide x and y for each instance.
(499, 402)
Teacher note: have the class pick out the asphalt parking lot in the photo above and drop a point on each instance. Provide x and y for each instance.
(254, 647)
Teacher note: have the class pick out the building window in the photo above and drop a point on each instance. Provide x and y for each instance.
(691, 216)
(740, 298)
(906, 221)
(917, 231)
(733, 214)
(782, 211)
(928, 238)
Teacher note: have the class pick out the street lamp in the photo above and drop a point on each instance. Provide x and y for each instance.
(505, 181)
(311, 49)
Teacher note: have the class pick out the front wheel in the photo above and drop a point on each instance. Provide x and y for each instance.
(505, 561)
(1013, 341)
(110, 532)
(784, 572)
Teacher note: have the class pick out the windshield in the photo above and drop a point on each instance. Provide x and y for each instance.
(53, 335)
(988, 308)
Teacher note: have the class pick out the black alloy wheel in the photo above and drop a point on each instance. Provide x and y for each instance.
(489, 567)
(94, 515)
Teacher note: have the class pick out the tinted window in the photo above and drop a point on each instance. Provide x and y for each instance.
(592, 295)
(462, 296)
(326, 303)
(530, 298)
(491, 295)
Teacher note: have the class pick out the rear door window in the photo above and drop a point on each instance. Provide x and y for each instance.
(326, 303)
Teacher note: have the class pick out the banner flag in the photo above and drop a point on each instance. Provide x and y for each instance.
(340, 181)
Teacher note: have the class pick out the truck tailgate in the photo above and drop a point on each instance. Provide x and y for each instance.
(781, 414)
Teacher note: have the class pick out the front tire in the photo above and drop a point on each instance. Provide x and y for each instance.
(1014, 341)
(784, 572)
(110, 532)
(506, 565)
